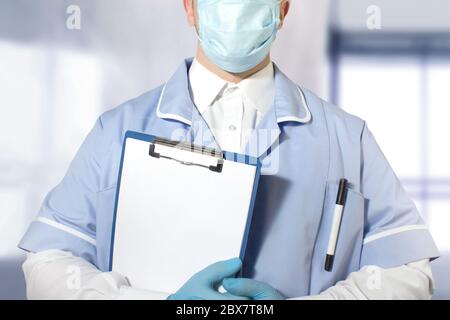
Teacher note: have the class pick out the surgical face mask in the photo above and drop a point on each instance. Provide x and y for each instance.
(237, 35)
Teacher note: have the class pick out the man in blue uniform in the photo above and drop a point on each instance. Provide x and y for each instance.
(233, 97)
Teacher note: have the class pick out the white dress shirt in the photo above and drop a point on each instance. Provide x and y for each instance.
(231, 111)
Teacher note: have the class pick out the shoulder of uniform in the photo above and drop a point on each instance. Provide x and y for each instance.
(140, 107)
(112, 125)
(334, 115)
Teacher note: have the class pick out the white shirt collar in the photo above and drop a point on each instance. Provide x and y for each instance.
(205, 86)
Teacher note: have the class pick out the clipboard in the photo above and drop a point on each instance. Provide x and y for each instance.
(178, 208)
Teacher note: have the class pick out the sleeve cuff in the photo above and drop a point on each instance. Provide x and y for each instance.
(48, 235)
(398, 246)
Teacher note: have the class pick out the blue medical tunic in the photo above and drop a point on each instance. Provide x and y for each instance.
(306, 146)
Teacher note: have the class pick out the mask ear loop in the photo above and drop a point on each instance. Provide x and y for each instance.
(197, 19)
(197, 32)
(278, 18)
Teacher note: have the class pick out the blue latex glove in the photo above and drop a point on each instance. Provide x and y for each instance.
(203, 285)
(252, 289)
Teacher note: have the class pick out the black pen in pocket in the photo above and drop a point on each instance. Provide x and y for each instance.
(336, 224)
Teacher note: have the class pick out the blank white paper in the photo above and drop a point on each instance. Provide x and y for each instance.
(174, 220)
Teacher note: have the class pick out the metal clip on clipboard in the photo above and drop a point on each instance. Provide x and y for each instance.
(188, 147)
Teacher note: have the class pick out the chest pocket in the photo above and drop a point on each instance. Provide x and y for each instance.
(349, 244)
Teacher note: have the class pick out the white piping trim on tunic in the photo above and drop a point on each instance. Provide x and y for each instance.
(67, 229)
(391, 232)
(169, 115)
(305, 119)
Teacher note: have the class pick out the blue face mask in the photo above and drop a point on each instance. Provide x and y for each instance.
(237, 35)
